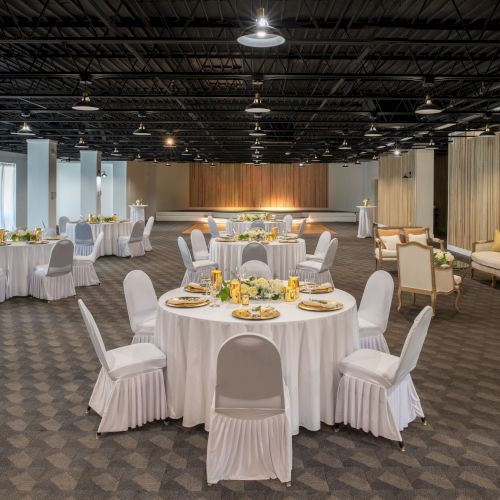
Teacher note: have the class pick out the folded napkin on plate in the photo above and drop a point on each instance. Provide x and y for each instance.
(179, 301)
(196, 286)
(224, 238)
(320, 304)
(322, 287)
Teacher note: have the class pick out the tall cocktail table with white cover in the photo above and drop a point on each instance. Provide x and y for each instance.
(18, 260)
(281, 257)
(137, 212)
(112, 231)
(366, 218)
(238, 226)
(311, 344)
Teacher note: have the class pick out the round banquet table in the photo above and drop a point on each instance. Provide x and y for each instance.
(311, 345)
(281, 257)
(18, 261)
(112, 231)
(238, 227)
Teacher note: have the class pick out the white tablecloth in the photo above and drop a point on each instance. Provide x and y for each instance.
(242, 226)
(112, 231)
(311, 345)
(18, 260)
(137, 212)
(281, 257)
(365, 226)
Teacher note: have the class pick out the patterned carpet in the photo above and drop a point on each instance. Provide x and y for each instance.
(48, 447)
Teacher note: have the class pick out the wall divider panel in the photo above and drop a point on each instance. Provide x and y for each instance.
(274, 186)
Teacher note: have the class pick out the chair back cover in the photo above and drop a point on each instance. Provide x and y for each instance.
(137, 232)
(322, 245)
(214, 231)
(149, 226)
(254, 251)
(94, 334)
(288, 221)
(140, 297)
(199, 245)
(249, 376)
(415, 266)
(330, 255)
(97, 246)
(302, 228)
(413, 343)
(83, 234)
(49, 232)
(63, 220)
(256, 268)
(376, 302)
(185, 254)
(61, 258)
(257, 224)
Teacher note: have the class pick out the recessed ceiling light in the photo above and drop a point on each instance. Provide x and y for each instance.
(256, 106)
(261, 34)
(428, 107)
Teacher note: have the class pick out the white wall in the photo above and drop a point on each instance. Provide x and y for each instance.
(68, 190)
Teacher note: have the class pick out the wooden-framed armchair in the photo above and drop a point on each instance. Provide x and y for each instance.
(485, 259)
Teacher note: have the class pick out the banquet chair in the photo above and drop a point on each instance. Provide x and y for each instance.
(256, 268)
(199, 245)
(132, 246)
(376, 392)
(49, 232)
(63, 221)
(250, 435)
(83, 265)
(194, 270)
(302, 229)
(288, 222)
(318, 271)
(54, 281)
(214, 230)
(374, 309)
(257, 224)
(3, 285)
(147, 233)
(84, 240)
(130, 389)
(321, 247)
(254, 251)
(142, 303)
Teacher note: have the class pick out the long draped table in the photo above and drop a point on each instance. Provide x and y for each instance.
(281, 257)
(238, 226)
(18, 261)
(112, 231)
(311, 345)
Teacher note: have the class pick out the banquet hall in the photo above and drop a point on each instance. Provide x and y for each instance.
(250, 249)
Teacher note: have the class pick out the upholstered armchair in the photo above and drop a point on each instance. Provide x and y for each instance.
(483, 258)
(419, 275)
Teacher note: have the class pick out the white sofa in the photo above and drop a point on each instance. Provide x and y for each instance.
(484, 259)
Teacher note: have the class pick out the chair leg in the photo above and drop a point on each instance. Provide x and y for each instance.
(400, 301)
(457, 299)
(414, 297)
(336, 427)
(98, 435)
(493, 280)
(424, 421)
(472, 272)
(166, 422)
(433, 304)
(402, 445)
(88, 410)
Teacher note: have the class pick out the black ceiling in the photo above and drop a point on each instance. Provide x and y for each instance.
(345, 64)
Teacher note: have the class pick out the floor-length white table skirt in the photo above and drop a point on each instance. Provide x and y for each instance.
(18, 260)
(365, 225)
(241, 226)
(311, 345)
(112, 231)
(281, 257)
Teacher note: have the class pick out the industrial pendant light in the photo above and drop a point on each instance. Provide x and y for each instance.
(396, 151)
(138, 156)
(431, 145)
(261, 35)
(372, 132)
(81, 144)
(257, 145)
(315, 158)
(428, 107)
(25, 129)
(141, 130)
(115, 152)
(327, 153)
(85, 103)
(186, 152)
(257, 131)
(198, 157)
(487, 132)
(344, 145)
(256, 106)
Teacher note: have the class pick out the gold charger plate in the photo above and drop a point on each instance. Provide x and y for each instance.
(55, 238)
(4, 243)
(295, 240)
(335, 307)
(314, 292)
(195, 302)
(194, 290)
(245, 313)
(43, 242)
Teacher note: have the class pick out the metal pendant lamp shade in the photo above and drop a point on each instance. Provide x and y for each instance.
(372, 132)
(141, 130)
(257, 107)
(81, 144)
(115, 152)
(428, 107)
(344, 145)
(85, 103)
(257, 131)
(257, 145)
(487, 132)
(25, 129)
(327, 153)
(261, 35)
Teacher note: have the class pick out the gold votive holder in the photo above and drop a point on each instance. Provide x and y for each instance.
(245, 299)
(234, 291)
(293, 283)
(216, 277)
(274, 233)
(289, 294)
(2, 235)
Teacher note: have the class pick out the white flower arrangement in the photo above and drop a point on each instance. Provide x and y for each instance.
(258, 288)
(252, 235)
(443, 259)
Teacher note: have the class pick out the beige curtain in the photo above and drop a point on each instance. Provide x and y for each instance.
(473, 189)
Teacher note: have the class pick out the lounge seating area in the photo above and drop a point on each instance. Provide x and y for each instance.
(485, 258)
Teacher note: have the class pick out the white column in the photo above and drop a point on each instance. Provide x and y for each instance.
(424, 188)
(90, 164)
(41, 177)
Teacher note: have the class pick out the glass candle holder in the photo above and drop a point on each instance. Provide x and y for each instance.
(216, 277)
(289, 294)
(245, 299)
(234, 292)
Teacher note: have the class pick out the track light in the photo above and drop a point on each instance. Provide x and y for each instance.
(256, 106)
(25, 129)
(257, 131)
(141, 130)
(261, 35)
(81, 144)
(115, 152)
(428, 107)
(85, 103)
(257, 145)
(372, 132)
(344, 145)
(487, 132)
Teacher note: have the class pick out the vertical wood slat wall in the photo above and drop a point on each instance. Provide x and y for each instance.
(473, 190)
(396, 196)
(278, 185)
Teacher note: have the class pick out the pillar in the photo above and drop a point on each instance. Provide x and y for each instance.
(90, 200)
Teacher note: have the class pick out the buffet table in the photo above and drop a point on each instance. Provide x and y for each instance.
(311, 345)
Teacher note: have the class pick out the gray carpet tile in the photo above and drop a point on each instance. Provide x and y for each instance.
(48, 367)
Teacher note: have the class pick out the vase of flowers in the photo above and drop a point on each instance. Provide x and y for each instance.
(252, 235)
(443, 259)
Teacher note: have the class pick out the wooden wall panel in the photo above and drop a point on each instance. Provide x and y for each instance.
(279, 185)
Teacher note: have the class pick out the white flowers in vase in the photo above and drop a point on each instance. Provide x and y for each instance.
(443, 259)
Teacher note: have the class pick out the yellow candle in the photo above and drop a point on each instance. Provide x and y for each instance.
(216, 277)
(289, 294)
(245, 299)
(234, 292)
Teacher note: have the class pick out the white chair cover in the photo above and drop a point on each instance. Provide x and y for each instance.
(49, 232)
(254, 251)
(199, 245)
(257, 269)
(321, 247)
(257, 224)
(84, 273)
(132, 246)
(302, 228)
(194, 270)
(84, 241)
(250, 436)
(130, 389)
(54, 281)
(63, 220)
(147, 233)
(318, 271)
(3, 285)
(374, 309)
(287, 222)
(376, 392)
(142, 304)
(214, 230)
